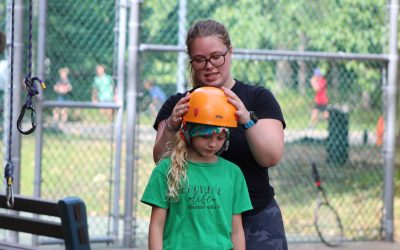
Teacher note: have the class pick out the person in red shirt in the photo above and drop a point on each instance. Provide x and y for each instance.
(318, 83)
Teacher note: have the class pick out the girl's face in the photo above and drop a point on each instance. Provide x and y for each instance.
(100, 70)
(208, 50)
(204, 148)
(63, 74)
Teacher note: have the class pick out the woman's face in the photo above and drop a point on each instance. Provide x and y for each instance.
(211, 48)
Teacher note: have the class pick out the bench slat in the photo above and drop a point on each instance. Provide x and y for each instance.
(14, 246)
(32, 205)
(29, 225)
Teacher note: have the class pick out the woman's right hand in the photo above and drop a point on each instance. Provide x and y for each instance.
(180, 109)
(169, 127)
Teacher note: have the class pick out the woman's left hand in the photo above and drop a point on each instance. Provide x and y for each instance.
(242, 113)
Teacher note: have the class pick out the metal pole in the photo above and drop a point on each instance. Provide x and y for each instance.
(118, 124)
(180, 84)
(41, 55)
(390, 135)
(129, 218)
(263, 54)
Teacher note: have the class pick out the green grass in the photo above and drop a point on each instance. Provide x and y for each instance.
(71, 166)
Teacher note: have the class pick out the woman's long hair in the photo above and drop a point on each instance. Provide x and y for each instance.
(176, 177)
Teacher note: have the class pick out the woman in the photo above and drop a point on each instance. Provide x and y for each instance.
(255, 146)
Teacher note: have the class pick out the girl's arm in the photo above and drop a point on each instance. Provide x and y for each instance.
(156, 228)
(237, 235)
(314, 83)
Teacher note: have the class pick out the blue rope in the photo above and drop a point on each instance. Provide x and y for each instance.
(30, 85)
(32, 91)
(29, 74)
(9, 169)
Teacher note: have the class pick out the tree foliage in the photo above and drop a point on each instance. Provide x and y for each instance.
(81, 34)
(352, 26)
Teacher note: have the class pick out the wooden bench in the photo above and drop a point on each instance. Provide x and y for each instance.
(71, 211)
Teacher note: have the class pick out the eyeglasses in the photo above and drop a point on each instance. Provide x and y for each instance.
(215, 60)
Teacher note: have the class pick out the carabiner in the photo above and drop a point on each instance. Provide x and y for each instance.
(9, 193)
(42, 84)
(31, 87)
(33, 119)
(32, 91)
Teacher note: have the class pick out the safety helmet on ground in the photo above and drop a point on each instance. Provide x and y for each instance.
(210, 106)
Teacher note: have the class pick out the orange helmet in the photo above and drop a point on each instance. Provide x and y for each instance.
(209, 105)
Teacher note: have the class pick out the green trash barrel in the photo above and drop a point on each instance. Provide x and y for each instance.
(337, 146)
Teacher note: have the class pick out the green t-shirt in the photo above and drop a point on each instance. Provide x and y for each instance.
(202, 217)
(105, 89)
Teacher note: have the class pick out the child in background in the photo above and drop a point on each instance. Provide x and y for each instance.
(62, 88)
(320, 87)
(158, 96)
(103, 89)
(196, 196)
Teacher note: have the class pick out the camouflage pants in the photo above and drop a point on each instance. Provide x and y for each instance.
(265, 230)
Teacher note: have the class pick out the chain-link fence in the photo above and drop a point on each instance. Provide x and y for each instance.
(77, 144)
(344, 146)
(77, 138)
(79, 155)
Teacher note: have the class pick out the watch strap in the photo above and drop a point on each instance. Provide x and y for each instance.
(249, 124)
(253, 120)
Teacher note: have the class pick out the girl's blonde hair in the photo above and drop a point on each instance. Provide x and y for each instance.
(205, 28)
(176, 177)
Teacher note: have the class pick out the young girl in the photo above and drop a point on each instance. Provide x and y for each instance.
(196, 196)
(62, 88)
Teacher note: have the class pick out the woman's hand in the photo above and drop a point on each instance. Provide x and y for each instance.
(242, 113)
(181, 108)
(167, 128)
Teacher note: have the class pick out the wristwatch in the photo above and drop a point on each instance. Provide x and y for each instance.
(253, 120)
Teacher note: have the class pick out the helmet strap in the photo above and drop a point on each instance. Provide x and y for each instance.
(224, 147)
(184, 133)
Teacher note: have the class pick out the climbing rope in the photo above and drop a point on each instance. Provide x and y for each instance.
(9, 169)
(30, 85)
(32, 91)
